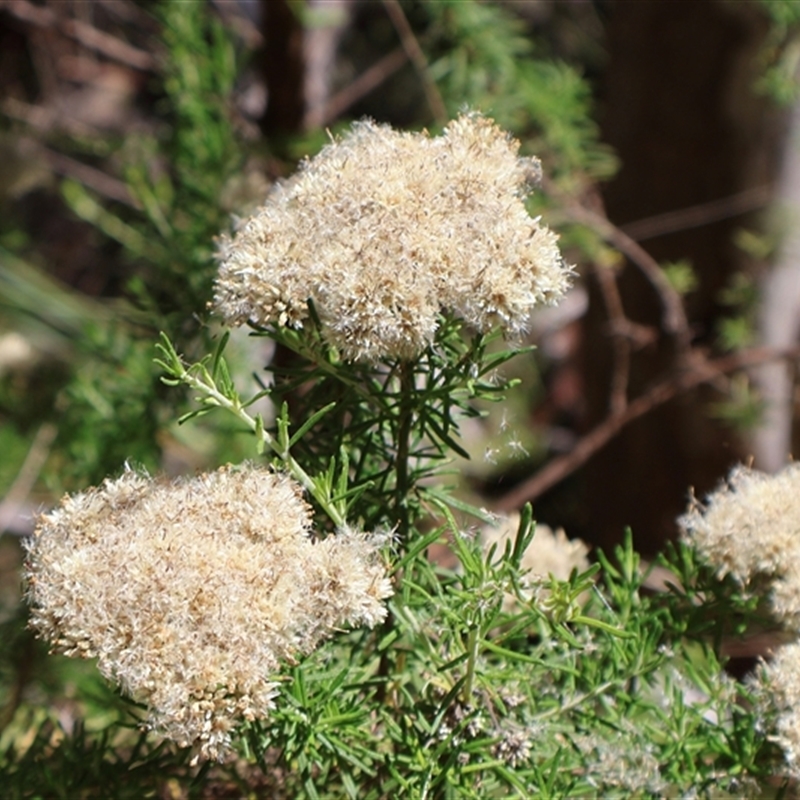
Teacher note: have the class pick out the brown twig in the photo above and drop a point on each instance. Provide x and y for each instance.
(128, 11)
(702, 370)
(83, 33)
(418, 59)
(94, 179)
(91, 177)
(366, 82)
(620, 339)
(236, 19)
(44, 119)
(674, 317)
(699, 215)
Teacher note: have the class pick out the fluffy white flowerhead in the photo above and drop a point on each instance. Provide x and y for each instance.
(191, 593)
(383, 231)
(750, 528)
(781, 678)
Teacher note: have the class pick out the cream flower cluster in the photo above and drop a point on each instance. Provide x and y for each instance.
(191, 593)
(383, 231)
(750, 529)
(781, 678)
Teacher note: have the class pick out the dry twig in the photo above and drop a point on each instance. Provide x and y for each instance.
(674, 316)
(702, 370)
(418, 59)
(83, 33)
(621, 339)
(14, 501)
(699, 215)
(94, 179)
(365, 83)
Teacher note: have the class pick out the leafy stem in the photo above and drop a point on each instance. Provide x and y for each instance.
(199, 378)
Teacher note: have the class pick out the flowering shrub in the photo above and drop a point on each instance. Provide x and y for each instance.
(390, 267)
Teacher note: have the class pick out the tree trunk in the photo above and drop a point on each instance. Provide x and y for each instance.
(680, 111)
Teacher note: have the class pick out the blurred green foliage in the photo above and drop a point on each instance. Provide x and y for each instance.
(780, 55)
(106, 399)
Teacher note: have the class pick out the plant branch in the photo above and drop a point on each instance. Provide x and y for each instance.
(620, 339)
(83, 33)
(674, 316)
(698, 215)
(366, 82)
(27, 476)
(91, 177)
(703, 370)
(405, 420)
(418, 59)
(217, 398)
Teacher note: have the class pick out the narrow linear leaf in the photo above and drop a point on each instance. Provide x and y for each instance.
(445, 438)
(259, 431)
(591, 622)
(197, 412)
(443, 496)
(216, 358)
(310, 423)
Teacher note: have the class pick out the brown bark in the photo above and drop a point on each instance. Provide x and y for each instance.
(284, 68)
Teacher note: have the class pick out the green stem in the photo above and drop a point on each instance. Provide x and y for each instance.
(295, 470)
(472, 648)
(402, 478)
(402, 512)
(373, 396)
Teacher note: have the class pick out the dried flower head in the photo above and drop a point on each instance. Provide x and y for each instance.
(625, 760)
(384, 230)
(190, 593)
(781, 678)
(750, 528)
(548, 553)
(513, 746)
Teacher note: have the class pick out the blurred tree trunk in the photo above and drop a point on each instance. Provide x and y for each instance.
(779, 313)
(680, 110)
(284, 68)
(300, 50)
